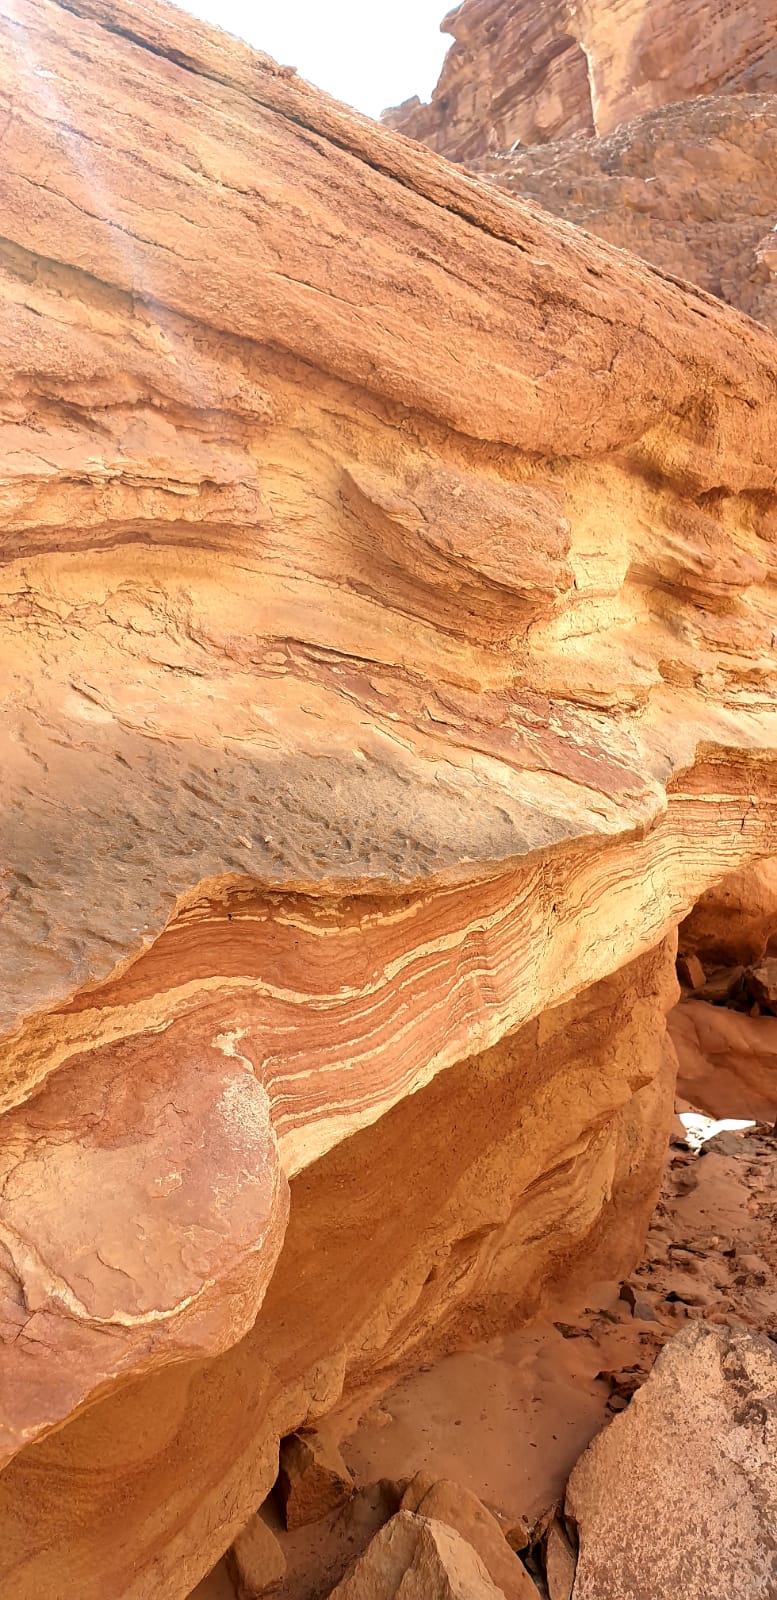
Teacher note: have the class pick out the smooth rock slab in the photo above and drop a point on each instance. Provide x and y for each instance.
(142, 1209)
(678, 1497)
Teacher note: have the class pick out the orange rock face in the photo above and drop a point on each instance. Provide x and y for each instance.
(536, 72)
(691, 188)
(386, 647)
(514, 71)
(502, 1182)
(735, 923)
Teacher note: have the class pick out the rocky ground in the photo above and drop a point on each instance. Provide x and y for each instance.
(507, 1420)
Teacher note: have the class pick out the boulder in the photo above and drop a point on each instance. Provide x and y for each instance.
(418, 1559)
(691, 972)
(457, 1507)
(727, 1061)
(761, 985)
(641, 1304)
(256, 1563)
(313, 1479)
(678, 1496)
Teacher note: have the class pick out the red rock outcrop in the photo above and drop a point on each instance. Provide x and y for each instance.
(691, 188)
(727, 1061)
(386, 639)
(515, 71)
(538, 70)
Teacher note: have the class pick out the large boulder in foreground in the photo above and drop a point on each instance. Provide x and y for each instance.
(460, 1509)
(417, 1559)
(678, 1497)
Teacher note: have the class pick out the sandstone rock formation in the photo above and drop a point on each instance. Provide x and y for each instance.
(652, 126)
(537, 70)
(514, 72)
(691, 188)
(727, 1061)
(458, 1508)
(386, 636)
(690, 1470)
(256, 1563)
(414, 1557)
(312, 1478)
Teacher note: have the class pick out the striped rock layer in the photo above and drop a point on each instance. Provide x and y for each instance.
(387, 649)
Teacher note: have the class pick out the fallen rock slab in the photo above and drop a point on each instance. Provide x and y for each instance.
(420, 1559)
(445, 1501)
(313, 1479)
(678, 1496)
(256, 1563)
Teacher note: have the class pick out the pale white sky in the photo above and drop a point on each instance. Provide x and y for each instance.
(370, 55)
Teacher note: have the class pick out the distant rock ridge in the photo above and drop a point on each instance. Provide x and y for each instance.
(653, 126)
(542, 70)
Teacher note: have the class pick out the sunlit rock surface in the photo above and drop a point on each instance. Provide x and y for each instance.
(537, 70)
(386, 642)
(691, 188)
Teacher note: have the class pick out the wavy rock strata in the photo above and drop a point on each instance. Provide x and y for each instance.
(387, 657)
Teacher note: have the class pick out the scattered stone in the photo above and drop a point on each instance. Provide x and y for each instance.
(313, 1479)
(691, 972)
(256, 1562)
(754, 1264)
(416, 1557)
(517, 1532)
(722, 986)
(642, 1307)
(678, 1497)
(624, 1382)
(724, 1144)
(761, 985)
(457, 1507)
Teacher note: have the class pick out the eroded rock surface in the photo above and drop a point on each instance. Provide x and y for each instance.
(679, 1494)
(691, 188)
(734, 923)
(537, 72)
(386, 649)
(417, 1556)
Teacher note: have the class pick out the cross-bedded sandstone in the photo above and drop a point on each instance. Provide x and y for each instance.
(387, 657)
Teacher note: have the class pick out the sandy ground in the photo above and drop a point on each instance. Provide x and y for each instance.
(509, 1418)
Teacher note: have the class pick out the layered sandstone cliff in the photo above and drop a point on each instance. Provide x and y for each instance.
(538, 70)
(386, 635)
